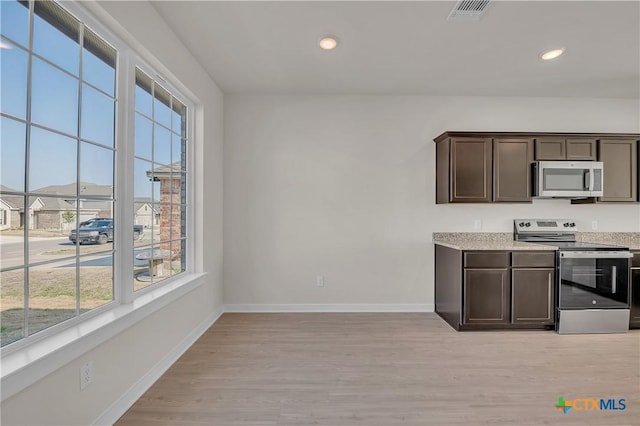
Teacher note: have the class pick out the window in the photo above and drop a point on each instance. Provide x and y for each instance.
(159, 181)
(60, 81)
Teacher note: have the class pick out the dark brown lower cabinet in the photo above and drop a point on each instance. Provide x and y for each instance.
(486, 296)
(634, 293)
(499, 290)
(532, 296)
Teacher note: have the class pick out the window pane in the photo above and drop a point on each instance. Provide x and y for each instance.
(161, 110)
(157, 184)
(14, 23)
(176, 150)
(177, 257)
(54, 98)
(11, 238)
(183, 188)
(96, 281)
(177, 115)
(165, 221)
(13, 68)
(140, 267)
(12, 154)
(52, 163)
(143, 99)
(52, 295)
(96, 228)
(96, 170)
(143, 137)
(161, 145)
(56, 35)
(98, 63)
(143, 185)
(48, 230)
(11, 306)
(183, 221)
(98, 116)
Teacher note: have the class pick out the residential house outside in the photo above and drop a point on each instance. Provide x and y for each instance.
(11, 210)
(54, 212)
(145, 213)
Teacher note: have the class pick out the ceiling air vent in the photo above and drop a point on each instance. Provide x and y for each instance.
(468, 10)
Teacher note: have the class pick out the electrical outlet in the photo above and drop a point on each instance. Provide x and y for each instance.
(594, 225)
(320, 281)
(477, 224)
(86, 375)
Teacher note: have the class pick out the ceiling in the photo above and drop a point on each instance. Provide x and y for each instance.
(410, 48)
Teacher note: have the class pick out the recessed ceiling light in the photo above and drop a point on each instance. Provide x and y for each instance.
(552, 54)
(328, 42)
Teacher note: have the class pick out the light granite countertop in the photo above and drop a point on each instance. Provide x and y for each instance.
(503, 241)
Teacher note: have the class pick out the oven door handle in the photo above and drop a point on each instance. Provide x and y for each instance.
(596, 255)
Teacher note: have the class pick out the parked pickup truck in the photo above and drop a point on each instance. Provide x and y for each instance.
(100, 230)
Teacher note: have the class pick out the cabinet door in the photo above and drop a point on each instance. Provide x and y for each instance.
(532, 296)
(486, 296)
(551, 149)
(620, 176)
(470, 170)
(512, 170)
(581, 149)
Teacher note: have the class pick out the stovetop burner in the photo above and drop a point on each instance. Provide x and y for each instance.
(555, 232)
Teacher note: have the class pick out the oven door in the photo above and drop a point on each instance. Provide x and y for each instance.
(593, 279)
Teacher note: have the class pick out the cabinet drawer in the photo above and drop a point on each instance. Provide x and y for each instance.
(545, 259)
(489, 259)
(635, 260)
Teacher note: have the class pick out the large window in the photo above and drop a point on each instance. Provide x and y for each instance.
(159, 181)
(59, 237)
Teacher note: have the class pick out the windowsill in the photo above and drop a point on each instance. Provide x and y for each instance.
(27, 365)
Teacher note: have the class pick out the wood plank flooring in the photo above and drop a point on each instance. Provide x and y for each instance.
(388, 369)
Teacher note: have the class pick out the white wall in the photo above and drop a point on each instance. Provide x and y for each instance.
(343, 186)
(125, 359)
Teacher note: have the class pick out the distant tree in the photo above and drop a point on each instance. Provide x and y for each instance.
(68, 216)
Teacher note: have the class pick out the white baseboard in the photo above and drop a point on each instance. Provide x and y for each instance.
(338, 307)
(119, 407)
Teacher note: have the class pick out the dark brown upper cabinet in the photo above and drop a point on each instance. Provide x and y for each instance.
(620, 175)
(558, 148)
(463, 170)
(485, 167)
(512, 169)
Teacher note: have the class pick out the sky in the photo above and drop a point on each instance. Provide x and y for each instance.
(55, 157)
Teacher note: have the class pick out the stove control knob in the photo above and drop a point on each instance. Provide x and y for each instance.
(527, 224)
(572, 224)
(565, 224)
(521, 224)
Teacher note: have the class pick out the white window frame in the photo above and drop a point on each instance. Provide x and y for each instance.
(30, 359)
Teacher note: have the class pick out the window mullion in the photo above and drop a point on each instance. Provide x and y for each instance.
(124, 176)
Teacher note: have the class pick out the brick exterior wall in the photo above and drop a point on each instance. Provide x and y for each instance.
(170, 216)
(51, 220)
(15, 219)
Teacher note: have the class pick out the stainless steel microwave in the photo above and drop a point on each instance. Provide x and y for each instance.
(567, 179)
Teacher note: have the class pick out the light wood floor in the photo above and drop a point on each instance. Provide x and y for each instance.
(388, 369)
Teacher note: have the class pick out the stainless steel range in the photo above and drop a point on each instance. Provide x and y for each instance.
(592, 280)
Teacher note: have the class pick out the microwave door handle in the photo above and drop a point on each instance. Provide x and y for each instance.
(592, 178)
(588, 181)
